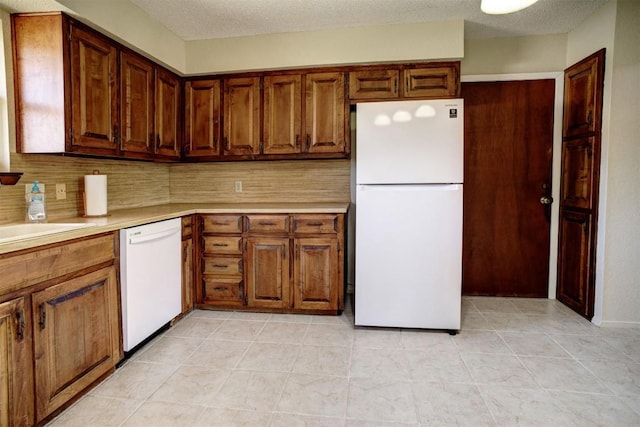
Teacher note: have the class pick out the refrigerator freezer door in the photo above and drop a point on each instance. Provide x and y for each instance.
(408, 256)
(410, 142)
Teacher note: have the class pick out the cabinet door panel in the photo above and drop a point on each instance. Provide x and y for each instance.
(325, 112)
(282, 115)
(268, 272)
(202, 118)
(242, 116)
(187, 275)
(137, 104)
(316, 274)
(574, 262)
(582, 89)
(16, 374)
(76, 337)
(371, 84)
(94, 94)
(167, 114)
(431, 82)
(578, 172)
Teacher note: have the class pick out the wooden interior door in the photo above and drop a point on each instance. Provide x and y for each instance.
(507, 187)
(583, 88)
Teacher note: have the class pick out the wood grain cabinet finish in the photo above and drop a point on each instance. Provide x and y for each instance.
(187, 264)
(220, 277)
(282, 123)
(583, 107)
(374, 84)
(94, 106)
(325, 113)
(16, 358)
(61, 326)
(405, 81)
(168, 107)
(261, 254)
(137, 109)
(242, 116)
(76, 337)
(202, 115)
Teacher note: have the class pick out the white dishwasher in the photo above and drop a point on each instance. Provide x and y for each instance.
(150, 277)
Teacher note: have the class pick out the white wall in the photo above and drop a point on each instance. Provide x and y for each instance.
(619, 267)
(405, 42)
(129, 25)
(515, 55)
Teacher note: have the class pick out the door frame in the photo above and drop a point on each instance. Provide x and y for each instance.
(556, 154)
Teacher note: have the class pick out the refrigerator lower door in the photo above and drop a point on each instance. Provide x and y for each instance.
(408, 270)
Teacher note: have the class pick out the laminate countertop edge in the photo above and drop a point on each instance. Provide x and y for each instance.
(132, 217)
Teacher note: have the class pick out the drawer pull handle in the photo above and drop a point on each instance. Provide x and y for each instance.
(220, 245)
(266, 223)
(220, 288)
(220, 223)
(314, 224)
(220, 266)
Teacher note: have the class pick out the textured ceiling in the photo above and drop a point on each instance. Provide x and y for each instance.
(207, 19)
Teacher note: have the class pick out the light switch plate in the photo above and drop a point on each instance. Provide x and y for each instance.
(238, 186)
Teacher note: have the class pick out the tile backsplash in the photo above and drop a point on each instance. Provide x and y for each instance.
(134, 183)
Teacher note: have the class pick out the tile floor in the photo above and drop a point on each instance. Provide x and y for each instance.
(516, 362)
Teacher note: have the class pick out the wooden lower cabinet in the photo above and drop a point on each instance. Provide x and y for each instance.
(268, 272)
(187, 264)
(249, 262)
(316, 273)
(16, 373)
(75, 338)
(59, 326)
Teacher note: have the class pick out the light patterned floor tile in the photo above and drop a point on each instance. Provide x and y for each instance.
(314, 395)
(379, 400)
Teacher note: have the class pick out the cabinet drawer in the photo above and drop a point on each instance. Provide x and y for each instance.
(231, 266)
(222, 245)
(268, 223)
(315, 223)
(369, 84)
(222, 224)
(217, 289)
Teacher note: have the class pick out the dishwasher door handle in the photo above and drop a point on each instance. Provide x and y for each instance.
(143, 238)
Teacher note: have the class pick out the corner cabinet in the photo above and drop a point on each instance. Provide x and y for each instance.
(60, 325)
(280, 262)
(102, 99)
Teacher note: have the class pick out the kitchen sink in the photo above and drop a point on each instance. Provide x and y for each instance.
(12, 232)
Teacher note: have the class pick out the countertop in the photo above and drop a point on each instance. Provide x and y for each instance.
(132, 217)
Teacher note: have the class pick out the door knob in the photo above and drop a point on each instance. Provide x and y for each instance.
(546, 200)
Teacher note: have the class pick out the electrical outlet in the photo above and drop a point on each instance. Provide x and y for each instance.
(238, 186)
(61, 191)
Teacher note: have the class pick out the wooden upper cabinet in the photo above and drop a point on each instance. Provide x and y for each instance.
(202, 118)
(582, 108)
(168, 107)
(370, 84)
(94, 94)
(242, 116)
(325, 113)
(432, 82)
(282, 114)
(137, 108)
(16, 372)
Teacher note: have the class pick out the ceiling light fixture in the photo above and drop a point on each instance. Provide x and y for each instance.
(501, 7)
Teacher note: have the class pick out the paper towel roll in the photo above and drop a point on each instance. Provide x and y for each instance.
(95, 195)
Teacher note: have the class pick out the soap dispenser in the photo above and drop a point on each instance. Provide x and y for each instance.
(36, 209)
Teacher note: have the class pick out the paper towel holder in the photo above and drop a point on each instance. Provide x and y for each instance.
(85, 215)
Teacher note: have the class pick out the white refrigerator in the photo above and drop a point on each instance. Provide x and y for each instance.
(408, 236)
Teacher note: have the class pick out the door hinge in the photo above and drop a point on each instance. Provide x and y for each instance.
(21, 325)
